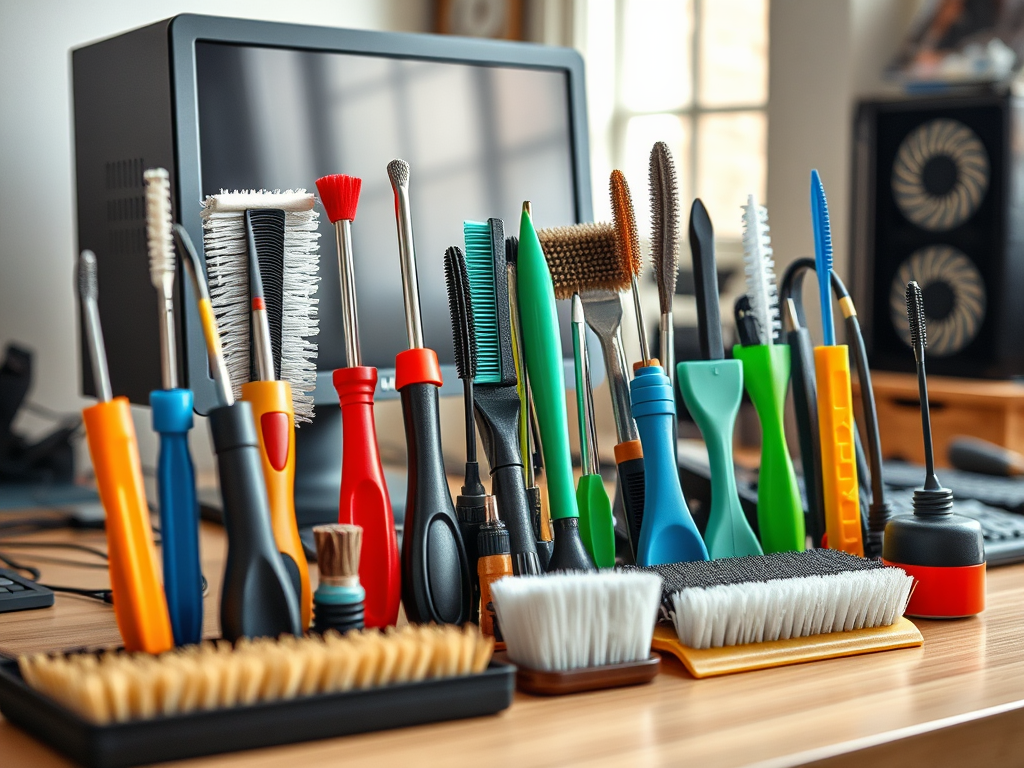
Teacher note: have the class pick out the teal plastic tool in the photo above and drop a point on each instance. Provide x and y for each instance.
(668, 533)
(712, 391)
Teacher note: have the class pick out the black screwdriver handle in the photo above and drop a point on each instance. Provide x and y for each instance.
(805, 401)
(631, 489)
(257, 599)
(436, 585)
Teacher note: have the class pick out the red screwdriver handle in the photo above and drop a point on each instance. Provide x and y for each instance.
(364, 496)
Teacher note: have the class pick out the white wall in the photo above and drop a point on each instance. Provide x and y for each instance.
(37, 210)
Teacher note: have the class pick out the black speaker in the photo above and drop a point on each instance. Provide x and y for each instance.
(938, 199)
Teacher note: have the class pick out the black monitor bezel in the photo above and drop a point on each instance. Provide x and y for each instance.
(187, 29)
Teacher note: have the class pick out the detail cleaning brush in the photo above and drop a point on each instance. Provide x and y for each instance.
(436, 584)
(835, 399)
(364, 498)
(140, 606)
(665, 245)
(943, 551)
(497, 399)
(780, 515)
(172, 420)
(712, 389)
(257, 597)
(584, 259)
(743, 613)
(668, 533)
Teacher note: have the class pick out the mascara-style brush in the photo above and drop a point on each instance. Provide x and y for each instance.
(665, 245)
(470, 506)
(943, 551)
(667, 532)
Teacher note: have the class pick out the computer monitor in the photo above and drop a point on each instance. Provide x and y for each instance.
(239, 104)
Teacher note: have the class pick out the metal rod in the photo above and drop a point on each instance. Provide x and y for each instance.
(645, 350)
(168, 351)
(407, 257)
(88, 289)
(346, 276)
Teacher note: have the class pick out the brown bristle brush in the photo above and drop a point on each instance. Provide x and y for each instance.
(627, 242)
(338, 600)
(590, 259)
(665, 245)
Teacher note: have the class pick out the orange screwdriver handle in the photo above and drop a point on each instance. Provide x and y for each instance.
(364, 496)
(140, 606)
(274, 418)
(838, 457)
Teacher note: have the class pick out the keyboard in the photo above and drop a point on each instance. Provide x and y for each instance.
(18, 593)
(1003, 492)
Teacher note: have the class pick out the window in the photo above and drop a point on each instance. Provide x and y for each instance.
(692, 73)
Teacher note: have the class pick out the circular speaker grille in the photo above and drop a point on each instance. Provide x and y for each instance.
(940, 174)
(954, 298)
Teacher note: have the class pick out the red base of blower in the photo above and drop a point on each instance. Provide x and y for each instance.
(945, 592)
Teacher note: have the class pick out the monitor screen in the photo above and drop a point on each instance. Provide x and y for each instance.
(479, 140)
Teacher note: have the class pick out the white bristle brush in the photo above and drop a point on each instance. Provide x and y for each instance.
(161, 266)
(759, 268)
(225, 243)
(571, 621)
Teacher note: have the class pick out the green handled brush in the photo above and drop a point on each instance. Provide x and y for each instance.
(544, 367)
(597, 526)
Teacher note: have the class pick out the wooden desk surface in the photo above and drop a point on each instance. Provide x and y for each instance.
(958, 700)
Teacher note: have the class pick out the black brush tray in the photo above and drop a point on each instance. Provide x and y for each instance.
(209, 732)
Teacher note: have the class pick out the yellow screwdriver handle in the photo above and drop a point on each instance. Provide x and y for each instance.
(140, 606)
(838, 455)
(275, 426)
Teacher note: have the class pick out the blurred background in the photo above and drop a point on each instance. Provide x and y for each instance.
(749, 94)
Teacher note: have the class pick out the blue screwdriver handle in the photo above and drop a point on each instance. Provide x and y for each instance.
(668, 533)
(179, 513)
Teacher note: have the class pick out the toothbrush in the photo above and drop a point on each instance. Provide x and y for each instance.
(172, 420)
(766, 367)
(257, 596)
(364, 498)
(668, 533)
(597, 527)
(835, 401)
(436, 584)
(497, 401)
(543, 354)
(140, 606)
(712, 389)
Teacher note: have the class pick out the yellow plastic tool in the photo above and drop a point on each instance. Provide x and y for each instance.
(140, 606)
(711, 662)
(275, 425)
(838, 456)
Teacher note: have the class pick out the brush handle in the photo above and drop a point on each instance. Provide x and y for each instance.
(257, 598)
(364, 496)
(629, 457)
(805, 402)
(838, 460)
(274, 419)
(780, 512)
(597, 527)
(140, 606)
(668, 534)
(497, 412)
(179, 513)
(712, 391)
(436, 584)
(544, 366)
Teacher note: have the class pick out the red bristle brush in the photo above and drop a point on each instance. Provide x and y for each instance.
(364, 494)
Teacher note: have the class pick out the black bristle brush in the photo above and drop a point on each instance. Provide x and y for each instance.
(470, 507)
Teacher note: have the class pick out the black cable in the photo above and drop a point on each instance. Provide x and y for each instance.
(879, 510)
(104, 595)
(14, 565)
